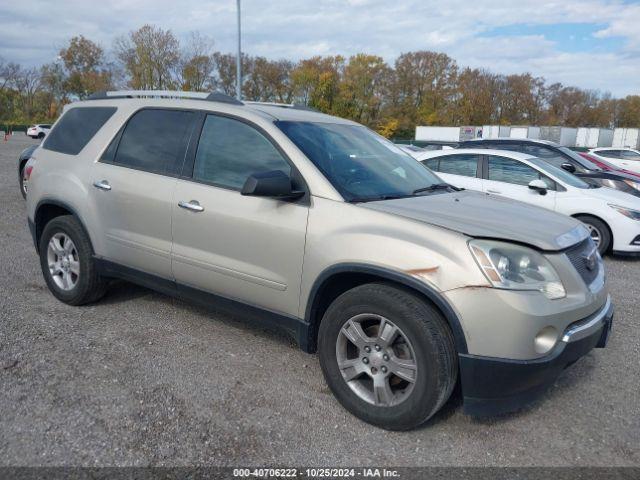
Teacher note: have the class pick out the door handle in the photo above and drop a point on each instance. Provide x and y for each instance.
(192, 205)
(493, 191)
(102, 185)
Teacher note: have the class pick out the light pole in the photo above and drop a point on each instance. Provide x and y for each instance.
(239, 59)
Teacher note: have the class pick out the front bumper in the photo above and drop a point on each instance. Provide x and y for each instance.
(492, 386)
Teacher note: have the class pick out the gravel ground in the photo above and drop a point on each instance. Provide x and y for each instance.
(144, 379)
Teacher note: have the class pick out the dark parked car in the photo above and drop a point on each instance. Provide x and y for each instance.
(22, 161)
(565, 158)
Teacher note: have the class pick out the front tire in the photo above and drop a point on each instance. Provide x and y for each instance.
(387, 355)
(600, 233)
(67, 263)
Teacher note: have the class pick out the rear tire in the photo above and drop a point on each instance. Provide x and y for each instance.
(40, 136)
(599, 230)
(67, 263)
(22, 181)
(422, 351)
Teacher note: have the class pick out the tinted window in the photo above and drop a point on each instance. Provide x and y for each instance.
(76, 128)
(559, 173)
(465, 165)
(629, 155)
(230, 151)
(360, 164)
(503, 169)
(432, 163)
(608, 153)
(154, 140)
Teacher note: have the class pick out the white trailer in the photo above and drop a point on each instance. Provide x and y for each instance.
(626, 138)
(594, 137)
(564, 136)
(438, 134)
(495, 131)
(532, 133)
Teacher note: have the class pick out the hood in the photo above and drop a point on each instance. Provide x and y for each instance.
(484, 216)
(617, 197)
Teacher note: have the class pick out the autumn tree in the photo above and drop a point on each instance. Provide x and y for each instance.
(197, 63)
(86, 68)
(150, 57)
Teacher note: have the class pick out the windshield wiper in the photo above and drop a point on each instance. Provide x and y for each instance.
(378, 198)
(434, 187)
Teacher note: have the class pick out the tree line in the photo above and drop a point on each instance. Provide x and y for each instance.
(419, 88)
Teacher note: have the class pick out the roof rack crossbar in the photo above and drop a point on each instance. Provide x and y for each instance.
(209, 96)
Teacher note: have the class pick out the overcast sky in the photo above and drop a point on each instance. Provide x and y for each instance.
(587, 43)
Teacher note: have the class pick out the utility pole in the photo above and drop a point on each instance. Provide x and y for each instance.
(239, 59)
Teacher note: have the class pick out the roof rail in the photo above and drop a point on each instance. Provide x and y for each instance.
(211, 97)
(294, 106)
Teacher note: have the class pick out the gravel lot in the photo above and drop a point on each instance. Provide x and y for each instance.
(144, 379)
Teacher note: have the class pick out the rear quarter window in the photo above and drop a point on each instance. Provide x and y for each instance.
(76, 128)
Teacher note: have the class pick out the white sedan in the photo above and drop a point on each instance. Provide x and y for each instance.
(624, 158)
(39, 130)
(613, 217)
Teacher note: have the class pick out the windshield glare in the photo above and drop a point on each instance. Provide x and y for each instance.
(359, 163)
(560, 173)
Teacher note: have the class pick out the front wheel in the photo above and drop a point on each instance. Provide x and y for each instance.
(599, 231)
(67, 263)
(387, 355)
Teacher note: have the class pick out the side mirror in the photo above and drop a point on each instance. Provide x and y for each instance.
(539, 186)
(274, 184)
(569, 167)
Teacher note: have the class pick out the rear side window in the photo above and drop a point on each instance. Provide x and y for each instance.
(76, 128)
(230, 151)
(153, 140)
(465, 165)
(432, 163)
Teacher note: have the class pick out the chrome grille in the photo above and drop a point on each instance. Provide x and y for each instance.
(580, 257)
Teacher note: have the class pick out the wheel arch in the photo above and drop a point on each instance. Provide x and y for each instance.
(47, 210)
(606, 224)
(337, 279)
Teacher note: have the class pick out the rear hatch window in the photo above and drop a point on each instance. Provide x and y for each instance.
(76, 128)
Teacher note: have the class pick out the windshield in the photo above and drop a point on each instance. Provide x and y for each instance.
(359, 163)
(560, 173)
(583, 161)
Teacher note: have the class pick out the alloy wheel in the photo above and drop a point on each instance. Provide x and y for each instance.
(596, 236)
(376, 360)
(63, 261)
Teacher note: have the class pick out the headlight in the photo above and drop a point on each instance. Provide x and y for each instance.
(627, 212)
(632, 184)
(513, 267)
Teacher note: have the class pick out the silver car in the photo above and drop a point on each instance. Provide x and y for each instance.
(403, 284)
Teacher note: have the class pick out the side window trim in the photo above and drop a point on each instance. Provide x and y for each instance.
(187, 172)
(118, 137)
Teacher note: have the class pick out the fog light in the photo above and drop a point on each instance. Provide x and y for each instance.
(545, 339)
(636, 241)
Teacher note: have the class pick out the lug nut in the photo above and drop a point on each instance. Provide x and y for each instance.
(365, 360)
(367, 349)
(378, 348)
(385, 357)
(384, 369)
(374, 370)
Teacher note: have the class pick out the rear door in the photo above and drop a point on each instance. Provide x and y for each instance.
(240, 247)
(460, 169)
(510, 178)
(133, 186)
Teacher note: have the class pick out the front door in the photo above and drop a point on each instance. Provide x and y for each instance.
(510, 178)
(241, 247)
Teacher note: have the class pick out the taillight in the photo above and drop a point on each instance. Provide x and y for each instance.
(27, 172)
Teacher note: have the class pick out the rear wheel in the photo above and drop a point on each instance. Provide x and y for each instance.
(41, 135)
(67, 263)
(23, 181)
(599, 231)
(387, 355)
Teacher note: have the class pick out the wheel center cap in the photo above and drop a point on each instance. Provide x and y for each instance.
(376, 359)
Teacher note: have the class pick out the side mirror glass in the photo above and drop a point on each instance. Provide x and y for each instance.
(569, 167)
(273, 184)
(539, 186)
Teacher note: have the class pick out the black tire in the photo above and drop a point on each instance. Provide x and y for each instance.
(90, 286)
(602, 230)
(20, 183)
(40, 135)
(432, 342)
